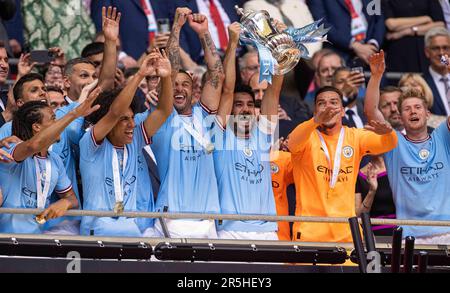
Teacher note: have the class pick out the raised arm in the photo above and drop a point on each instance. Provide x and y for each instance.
(214, 76)
(124, 99)
(270, 101)
(46, 137)
(173, 45)
(371, 104)
(226, 100)
(165, 104)
(111, 22)
(298, 139)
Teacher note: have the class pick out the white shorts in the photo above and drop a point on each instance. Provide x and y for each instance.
(66, 227)
(188, 229)
(247, 235)
(150, 233)
(441, 239)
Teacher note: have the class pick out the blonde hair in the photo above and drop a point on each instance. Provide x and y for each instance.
(409, 93)
(417, 78)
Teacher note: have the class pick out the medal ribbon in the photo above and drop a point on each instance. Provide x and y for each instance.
(118, 184)
(42, 194)
(202, 140)
(337, 156)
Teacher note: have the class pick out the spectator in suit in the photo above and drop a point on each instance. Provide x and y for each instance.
(348, 82)
(14, 27)
(437, 43)
(220, 14)
(354, 33)
(138, 24)
(445, 4)
(7, 11)
(248, 66)
(407, 21)
(326, 66)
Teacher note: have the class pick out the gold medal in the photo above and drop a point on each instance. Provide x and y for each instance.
(118, 207)
(248, 152)
(209, 148)
(40, 220)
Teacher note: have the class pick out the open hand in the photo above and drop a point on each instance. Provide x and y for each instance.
(380, 128)
(111, 22)
(377, 64)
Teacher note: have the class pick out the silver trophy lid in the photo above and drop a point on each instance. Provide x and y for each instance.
(239, 11)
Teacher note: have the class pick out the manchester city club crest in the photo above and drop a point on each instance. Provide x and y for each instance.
(248, 152)
(274, 168)
(424, 154)
(348, 152)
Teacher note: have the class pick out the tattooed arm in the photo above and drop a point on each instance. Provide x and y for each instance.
(173, 45)
(215, 75)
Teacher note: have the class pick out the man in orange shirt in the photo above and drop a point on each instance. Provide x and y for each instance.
(282, 177)
(326, 158)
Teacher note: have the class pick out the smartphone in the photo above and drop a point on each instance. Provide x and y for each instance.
(42, 56)
(360, 70)
(163, 25)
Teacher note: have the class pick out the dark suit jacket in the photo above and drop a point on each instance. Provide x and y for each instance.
(337, 16)
(7, 11)
(360, 107)
(134, 23)
(438, 107)
(189, 40)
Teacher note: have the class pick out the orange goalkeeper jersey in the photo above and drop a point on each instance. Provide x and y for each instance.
(312, 175)
(282, 177)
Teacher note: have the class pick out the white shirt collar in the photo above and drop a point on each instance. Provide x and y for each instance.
(435, 75)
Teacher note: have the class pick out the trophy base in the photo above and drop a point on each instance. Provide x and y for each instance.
(285, 51)
(287, 59)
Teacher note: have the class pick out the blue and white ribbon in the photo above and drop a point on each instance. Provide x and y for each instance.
(312, 33)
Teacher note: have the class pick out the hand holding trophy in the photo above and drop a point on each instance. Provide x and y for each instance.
(279, 51)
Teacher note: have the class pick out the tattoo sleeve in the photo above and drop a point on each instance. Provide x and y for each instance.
(173, 49)
(213, 62)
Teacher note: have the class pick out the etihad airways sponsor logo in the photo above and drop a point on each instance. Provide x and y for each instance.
(328, 171)
(422, 170)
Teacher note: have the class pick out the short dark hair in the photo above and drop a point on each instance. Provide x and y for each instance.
(105, 100)
(130, 72)
(25, 117)
(52, 88)
(242, 88)
(18, 87)
(93, 49)
(328, 89)
(2, 45)
(331, 54)
(340, 69)
(390, 89)
(68, 69)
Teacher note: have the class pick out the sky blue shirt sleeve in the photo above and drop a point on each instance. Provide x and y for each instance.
(88, 146)
(63, 184)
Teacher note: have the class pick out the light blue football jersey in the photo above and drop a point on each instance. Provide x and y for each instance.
(188, 181)
(419, 174)
(18, 183)
(244, 178)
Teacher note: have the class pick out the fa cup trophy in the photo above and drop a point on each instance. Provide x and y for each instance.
(279, 51)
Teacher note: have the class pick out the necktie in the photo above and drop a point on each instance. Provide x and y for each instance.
(447, 88)
(350, 121)
(215, 15)
(360, 36)
(285, 19)
(150, 18)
